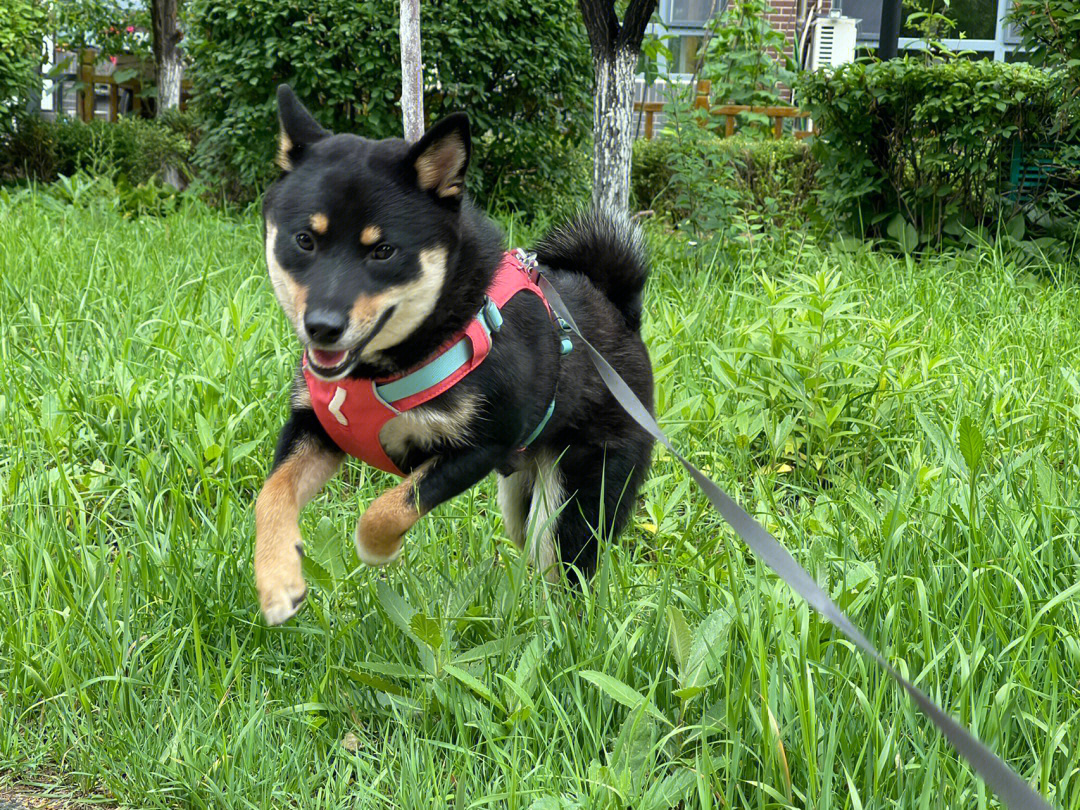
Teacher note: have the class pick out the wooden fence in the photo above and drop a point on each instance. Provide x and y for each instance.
(729, 112)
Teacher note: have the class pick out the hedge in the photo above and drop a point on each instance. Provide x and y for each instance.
(521, 69)
(913, 150)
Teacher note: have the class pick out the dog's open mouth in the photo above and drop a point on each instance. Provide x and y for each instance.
(328, 364)
(331, 364)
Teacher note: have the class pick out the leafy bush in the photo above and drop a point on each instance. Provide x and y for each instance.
(750, 180)
(21, 26)
(135, 149)
(520, 68)
(918, 150)
(1050, 32)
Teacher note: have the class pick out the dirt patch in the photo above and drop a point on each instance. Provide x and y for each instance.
(15, 797)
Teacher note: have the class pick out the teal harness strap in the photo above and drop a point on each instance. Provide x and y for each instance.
(543, 424)
(443, 366)
(461, 353)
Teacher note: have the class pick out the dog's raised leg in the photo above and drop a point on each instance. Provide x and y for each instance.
(302, 465)
(380, 531)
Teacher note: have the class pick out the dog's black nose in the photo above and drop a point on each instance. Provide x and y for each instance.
(323, 325)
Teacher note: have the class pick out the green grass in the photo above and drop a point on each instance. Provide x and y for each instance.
(909, 429)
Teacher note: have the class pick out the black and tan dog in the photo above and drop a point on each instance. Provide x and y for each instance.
(379, 261)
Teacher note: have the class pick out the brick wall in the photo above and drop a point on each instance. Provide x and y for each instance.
(783, 18)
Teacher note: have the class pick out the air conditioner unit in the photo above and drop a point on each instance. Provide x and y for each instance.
(834, 42)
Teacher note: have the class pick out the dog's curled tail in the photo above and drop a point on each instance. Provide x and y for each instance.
(608, 250)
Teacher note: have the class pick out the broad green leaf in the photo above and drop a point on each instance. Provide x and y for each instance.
(474, 684)
(314, 572)
(621, 693)
(970, 440)
(427, 630)
(374, 681)
(397, 609)
(678, 639)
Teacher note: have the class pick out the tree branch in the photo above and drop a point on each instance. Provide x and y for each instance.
(601, 24)
(637, 17)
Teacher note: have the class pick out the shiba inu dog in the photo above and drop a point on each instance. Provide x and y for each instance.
(429, 351)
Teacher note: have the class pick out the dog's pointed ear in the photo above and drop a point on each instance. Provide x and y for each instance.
(299, 129)
(441, 157)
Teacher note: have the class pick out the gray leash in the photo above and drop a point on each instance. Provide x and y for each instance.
(1005, 782)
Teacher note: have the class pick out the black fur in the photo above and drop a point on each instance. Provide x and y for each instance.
(596, 262)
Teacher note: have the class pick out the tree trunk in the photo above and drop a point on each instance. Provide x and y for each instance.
(169, 65)
(613, 132)
(412, 71)
(167, 56)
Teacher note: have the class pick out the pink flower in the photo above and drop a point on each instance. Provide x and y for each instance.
(130, 29)
(112, 59)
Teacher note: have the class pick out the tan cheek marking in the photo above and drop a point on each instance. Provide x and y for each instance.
(370, 235)
(319, 223)
(285, 146)
(291, 295)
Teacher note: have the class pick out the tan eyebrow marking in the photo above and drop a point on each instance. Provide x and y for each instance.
(370, 235)
(319, 223)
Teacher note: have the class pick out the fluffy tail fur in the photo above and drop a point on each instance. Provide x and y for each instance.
(608, 250)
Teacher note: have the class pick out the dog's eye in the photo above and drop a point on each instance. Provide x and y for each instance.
(304, 240)
(382, 252)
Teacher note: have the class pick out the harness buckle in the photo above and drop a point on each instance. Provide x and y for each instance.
(492, 315)
(528, 263)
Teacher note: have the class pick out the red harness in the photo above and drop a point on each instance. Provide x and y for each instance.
(353, 411)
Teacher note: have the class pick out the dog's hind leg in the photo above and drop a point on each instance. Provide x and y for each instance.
(515, 497)
(602, 498)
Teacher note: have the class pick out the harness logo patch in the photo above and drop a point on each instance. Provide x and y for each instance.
(335, 406)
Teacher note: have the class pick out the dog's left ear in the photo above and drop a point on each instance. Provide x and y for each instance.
(441, 157)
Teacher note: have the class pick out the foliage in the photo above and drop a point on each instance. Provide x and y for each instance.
(112, 26)
(135, 149)
(920, 151)
(1050, 33)
(521, 69)
(148, 372)
(745, 59)
(759, 184)
(21, 25)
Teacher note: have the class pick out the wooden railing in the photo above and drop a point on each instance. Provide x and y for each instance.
(729, 112)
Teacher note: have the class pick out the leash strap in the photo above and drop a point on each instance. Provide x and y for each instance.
(1006, 783)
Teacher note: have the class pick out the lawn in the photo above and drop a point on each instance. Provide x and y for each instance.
(908, 428)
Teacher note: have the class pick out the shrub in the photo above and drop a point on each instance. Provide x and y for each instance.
(21, 25)
(914, 150)
(1050, 32)
(132, 148)
(751, 181)
(520, 68)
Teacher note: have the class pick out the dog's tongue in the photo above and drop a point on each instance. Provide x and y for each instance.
(327, 359)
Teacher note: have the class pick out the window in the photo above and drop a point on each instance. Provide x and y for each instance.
(693, 12)
(684, 53)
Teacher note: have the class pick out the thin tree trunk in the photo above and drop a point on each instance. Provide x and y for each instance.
(612, 129)
(412, 73)
(168, 61)
(167, 56)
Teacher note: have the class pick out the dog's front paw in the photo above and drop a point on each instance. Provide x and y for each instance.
(382, 527)
(280, 582)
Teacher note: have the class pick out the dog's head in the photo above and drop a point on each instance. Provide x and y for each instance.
(360, 234)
